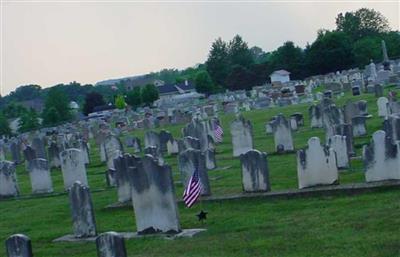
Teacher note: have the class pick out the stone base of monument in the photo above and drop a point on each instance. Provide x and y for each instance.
(185, 233)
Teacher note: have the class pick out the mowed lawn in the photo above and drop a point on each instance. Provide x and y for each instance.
(358, 225)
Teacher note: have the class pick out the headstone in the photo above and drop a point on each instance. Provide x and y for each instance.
(358, 124)
(198, 129)
(282, 134)
(156, 153)
(15, 152)
(39, 174)
(293, 123)
(356, 91)
(172, 147)
(189, 161)
(242, 136)
(255, 172)
(339, 145)
(316, 165)
(29, 154)
(19, 245)
(381, 158)
(378, 89)
(188, 142)
(315, 113)
(152, 138)
(347, 131)
(122, 175)
(110, 244)
(153, 198)
(211, 162)
(328, 94)
(73, 167)
(392, 127)
(38, 146)
(382, 103)
(54, 155)
(8, 179)
(165, 136)
(134, 142)
(82, 212)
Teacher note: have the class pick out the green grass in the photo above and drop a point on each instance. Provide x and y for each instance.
(360, 225)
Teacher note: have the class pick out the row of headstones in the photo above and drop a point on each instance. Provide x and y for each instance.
(318, 164)
(108, 244)
(72, 167)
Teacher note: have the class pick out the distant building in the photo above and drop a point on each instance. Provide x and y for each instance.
(168, 90)
(280, 76)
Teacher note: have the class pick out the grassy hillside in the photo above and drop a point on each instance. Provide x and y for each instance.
(361, 225)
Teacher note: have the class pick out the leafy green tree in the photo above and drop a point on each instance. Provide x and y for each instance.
(13, 110)
(56, 108)
(92, 100)
(240, 78)
(392, 40)
(366, 49)
(204, 83)
(134, 97)
(288, 57)
(28, 121)
(5, 129)
(149, 94)
(361, 23)
(258, 55)
(239, 53)
(218, 62)
(120, 102)
(331, 51)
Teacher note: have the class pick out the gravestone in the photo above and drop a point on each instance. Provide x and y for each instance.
(198, 129)
(165, 136)
(382, 103)
(378, 89)
(153, 198)
(188, 142)
(315, 113)
(40, 177)
(134, 142)
(293, 123)
(189, 161)
(54, 155)
(112, 149)
(381, 158)
(282, 134)
(299, 118)
(15, 152)
(242, 136)
(316, 165)
(339, 145)
(347, 131)
(8, 180)
(38, 146)
(255, 172)
(359, 127)
(82, 212)
(211, 162)
(122, 175)
(156, 153)
(172, 147)
(152, 138)
(356, 91)
(392, 127)
(73, 167)
(19, 245)
(83, 146)
(29, 154)
(110, 244)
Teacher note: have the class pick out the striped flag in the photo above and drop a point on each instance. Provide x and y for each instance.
(193, 189)
(218, 133)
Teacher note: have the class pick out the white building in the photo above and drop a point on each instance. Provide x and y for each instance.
(281, 76)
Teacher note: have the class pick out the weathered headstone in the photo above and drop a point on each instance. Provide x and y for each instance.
(153, 198)
(242, 136)
(156, 153)
(172, 146)
(381, 158)
(382, 103)
(39, 174)
(315, 113)
(8, 179)
(191, 160)
(356, 91)
(73, 167)
(255, 172)
(316, 165)
(110, 244)
(122, 175)
(282, 134)
(152, 138)
(39, 147)
(339, 145)
(359, 127)
(19, 245)
(392, 127)
(378, 90)
(346, 130)
(211, 162)
(188, 142)
(82, 211)
(54, 155)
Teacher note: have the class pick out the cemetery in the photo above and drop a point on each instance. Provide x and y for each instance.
(82, 188)
(293, 152)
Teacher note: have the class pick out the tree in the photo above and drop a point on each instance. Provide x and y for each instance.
(56, 108)
(134, 97)
(218, 62)
(92, 100)
(239, 53)
(240, 78)
(288, 57)
(149, 94)
(5, 129)
(258, 55)
(204, 83)
(363, 22)
(13, 110)
(120, 102)
(330, 52)
(28, 121)
(366, 49)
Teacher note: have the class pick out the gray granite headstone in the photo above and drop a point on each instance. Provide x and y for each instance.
(242, 136)
(54, 155)
(282, 134)
(73, 167)
(339, 145)
(8, 179)
(19, 245)
(255, 172)
(122, 176)
(39, 174)
(110, 244)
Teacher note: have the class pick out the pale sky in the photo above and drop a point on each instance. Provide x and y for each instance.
(47, 43)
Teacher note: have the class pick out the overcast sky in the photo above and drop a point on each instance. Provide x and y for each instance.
(48, 43)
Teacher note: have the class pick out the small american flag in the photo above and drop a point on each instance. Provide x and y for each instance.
(193, 189)
(218, 133)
